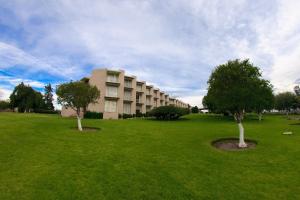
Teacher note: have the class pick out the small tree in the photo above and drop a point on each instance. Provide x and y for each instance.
(286, 101)
(77, 96)
(195, 109)
(231, 88)
(48, 97)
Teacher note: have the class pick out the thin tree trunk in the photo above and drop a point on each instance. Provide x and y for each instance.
(242, 143)
(79, 120)
(259, 116)
(79, 123)
(239, 117)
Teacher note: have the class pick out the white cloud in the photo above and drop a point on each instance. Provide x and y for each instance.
(193, 100)
(15, 81)
(4, 93)
(172, 44)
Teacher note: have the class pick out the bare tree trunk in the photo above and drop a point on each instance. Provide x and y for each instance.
(242, 143)
(259, 116)
(79, 120)
(239, 117)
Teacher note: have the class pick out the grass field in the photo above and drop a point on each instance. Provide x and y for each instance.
(42, 157)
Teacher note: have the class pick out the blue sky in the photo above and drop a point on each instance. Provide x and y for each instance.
(172, 44)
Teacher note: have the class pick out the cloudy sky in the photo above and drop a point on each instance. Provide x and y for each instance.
(173, 44)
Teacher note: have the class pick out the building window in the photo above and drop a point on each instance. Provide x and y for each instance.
(139, 87)
(127, 95)
(148, 100)
(148, 91)
(110, 106)
(138, 98)
(112, 78)
(127, 108)
(111, 91)
(128, 83)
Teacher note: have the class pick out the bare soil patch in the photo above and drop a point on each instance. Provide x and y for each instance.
(232, 144)
(87, 129)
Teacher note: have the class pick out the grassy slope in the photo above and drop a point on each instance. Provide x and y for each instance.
(42, 158)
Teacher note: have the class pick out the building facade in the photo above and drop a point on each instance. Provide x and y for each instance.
(122, 94)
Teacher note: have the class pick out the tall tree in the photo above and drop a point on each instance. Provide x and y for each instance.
(286, 101)
(48, 97)
(25, 98)
(77, 96)
(231, 88)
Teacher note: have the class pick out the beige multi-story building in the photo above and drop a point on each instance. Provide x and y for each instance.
(122, 94)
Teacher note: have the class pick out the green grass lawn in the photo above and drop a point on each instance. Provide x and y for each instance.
(42, 157)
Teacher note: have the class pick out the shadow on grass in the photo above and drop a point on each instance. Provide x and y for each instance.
(164, 120)
(295, 124)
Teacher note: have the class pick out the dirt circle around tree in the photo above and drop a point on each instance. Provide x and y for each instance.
(232, 144)
(87, 129)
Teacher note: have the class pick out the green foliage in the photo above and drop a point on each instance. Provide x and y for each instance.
(195, 109)
(46, 111)
(48, 97)
(168, 112)
(286, 101)
(297, 90)
(4, 105)
(232, 88)
(93, 115)
(26, 99)
(263, 97)
(125, 116)
(77, 95)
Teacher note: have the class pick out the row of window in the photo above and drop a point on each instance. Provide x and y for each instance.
(111, 106)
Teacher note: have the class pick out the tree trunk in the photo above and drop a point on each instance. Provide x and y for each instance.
(79, 120)
(79, 123)
(242, 143)
(259, 116)
(239, 117)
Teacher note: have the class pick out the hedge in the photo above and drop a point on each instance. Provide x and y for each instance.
(93, 115)
(168, 112)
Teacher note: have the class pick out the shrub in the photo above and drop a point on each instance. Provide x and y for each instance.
(93, 115)
(168, 112)
(126, 116)
(139, 114)
(195, 109)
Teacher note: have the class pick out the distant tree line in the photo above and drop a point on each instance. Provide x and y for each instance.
(25, 99)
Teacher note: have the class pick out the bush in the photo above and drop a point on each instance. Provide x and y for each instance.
(195, 109)
(93, 115)
(139, 114)
(169, 112)
(44, 111)
(126, 116)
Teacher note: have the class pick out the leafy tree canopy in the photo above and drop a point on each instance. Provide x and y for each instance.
(286, 101)
(25, 98)
(237, 86)
(195, 109)
(48, 97)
